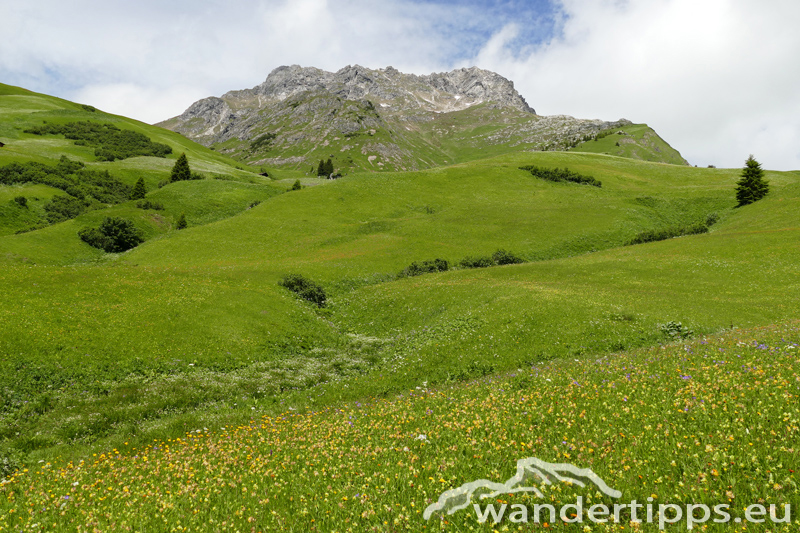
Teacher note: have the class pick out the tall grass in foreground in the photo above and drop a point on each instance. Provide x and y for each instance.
(715, 421)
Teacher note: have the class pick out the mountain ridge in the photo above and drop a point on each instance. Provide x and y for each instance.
(380, 119)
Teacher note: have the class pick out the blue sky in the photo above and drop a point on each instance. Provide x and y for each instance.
(715, 78)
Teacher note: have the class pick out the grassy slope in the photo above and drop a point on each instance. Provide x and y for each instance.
(638, 141)
(191, 330)
(208, 296)
(670, 425)
(202, 201)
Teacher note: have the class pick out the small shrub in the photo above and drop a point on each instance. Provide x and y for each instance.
(114, 235)
(263, 142)
(675, 330)
(148, 204)
(181, 223)
(502, 257)
(297, 186)
(305, 288)
(253, 204)
(21, 201)
(425, 267)
(477, 262)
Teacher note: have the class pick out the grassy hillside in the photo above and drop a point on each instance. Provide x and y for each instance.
(636, 141)
(202, 307)
(191, 330)
(227, 190)
(672, 425)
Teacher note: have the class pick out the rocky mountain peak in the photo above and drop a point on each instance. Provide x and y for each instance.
(376, 119)
(439, 92)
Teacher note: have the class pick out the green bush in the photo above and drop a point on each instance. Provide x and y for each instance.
(21, 201)
(71, 177)
(61, 208)
(305, 288)
(676, 231)
(425, 267)
(557, 174)
(675, 330)
(262, 142)
(477, 262)
(114, 235)
(110, 142)
(148, 204)
(502, 257)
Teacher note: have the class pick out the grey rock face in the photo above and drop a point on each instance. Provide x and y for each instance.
(216, 119)
(401, 118)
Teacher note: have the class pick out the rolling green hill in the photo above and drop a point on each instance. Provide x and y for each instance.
(191, 329)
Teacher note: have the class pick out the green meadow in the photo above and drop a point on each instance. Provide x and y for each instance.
(183, 362)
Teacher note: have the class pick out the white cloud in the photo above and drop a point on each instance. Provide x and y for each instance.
(145, 103)
(714, 78)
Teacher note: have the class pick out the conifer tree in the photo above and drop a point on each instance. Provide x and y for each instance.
(181, 224)
(139, 190)
(321, 168)
(328, 167)
(752, 187)
(181, 170)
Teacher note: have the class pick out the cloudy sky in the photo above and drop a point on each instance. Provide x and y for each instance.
(718, 79)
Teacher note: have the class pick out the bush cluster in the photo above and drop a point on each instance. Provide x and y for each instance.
(678, 231)
(500, 257)
(305, 288)
(114, 235)
(61, 208)
(558, 174)
(21, 201)
(425, 267)
(80, 183)
(110, 142)
(262, 142)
